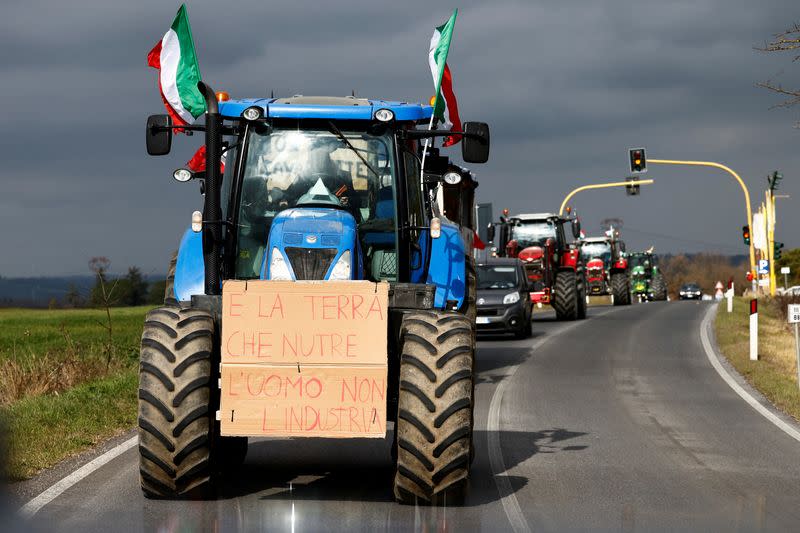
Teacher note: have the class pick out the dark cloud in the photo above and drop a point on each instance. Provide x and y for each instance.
(567, 87)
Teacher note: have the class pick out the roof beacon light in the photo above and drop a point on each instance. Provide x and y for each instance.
(222, 96)
(197, 222)
(252, 113)
(452, 178)
(182, 174)
(384, 115)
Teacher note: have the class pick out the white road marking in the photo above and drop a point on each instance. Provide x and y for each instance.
(54, 491)
(738, 389)
(507, 497)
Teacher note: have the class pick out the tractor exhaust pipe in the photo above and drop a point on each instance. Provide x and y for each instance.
(212, 211)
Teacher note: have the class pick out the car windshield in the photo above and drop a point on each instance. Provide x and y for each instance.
(497, 277)
(533, 233)
(596, 250)
(291, 167)
(691, 287)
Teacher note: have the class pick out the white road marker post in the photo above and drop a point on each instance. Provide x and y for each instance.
(794, 318)
(729, 296)
(754, 330)
(785, 271)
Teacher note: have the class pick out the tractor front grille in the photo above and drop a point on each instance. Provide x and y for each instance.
(310, 263)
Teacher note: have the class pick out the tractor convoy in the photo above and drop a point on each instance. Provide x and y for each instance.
(329, 287)
(552, 263)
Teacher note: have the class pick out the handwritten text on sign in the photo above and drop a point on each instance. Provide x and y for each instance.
(306, 322)
(318, 401)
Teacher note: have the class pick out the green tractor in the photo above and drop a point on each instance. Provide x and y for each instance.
(647, 280)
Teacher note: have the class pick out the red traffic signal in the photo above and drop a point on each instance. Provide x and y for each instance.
(638, 160)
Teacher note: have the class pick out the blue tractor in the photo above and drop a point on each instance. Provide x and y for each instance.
(319, 189)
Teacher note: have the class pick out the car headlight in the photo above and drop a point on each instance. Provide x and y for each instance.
(511, 298)
(279, 267)
(341, 270)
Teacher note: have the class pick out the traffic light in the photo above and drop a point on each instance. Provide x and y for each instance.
(777, 250)
(632, 190)
(638, 160)
(746, 235)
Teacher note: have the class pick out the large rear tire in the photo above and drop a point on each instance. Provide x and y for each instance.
(620, 288)
(659, 288)
(582, 303)
(565, 301)
(175, 403)
(434, 420)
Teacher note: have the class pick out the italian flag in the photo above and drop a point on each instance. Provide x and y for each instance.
(175, 59)
(445, 107)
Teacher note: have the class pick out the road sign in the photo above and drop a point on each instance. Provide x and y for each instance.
(794, 313)
(786, 270)
(763, 266)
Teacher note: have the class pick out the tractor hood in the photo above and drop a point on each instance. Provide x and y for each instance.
(312, 241)
(531, 253)
(595, 263)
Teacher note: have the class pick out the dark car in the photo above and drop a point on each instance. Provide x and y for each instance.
(690, 291)
(504, 303)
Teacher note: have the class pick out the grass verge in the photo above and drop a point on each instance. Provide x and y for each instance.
(66, 383)
(775, 373)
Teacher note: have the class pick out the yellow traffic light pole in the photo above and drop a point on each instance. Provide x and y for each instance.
(600, 186)
(771, 240)
(741, 183)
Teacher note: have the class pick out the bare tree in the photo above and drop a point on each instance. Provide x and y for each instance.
(786, 41)
(100, 265)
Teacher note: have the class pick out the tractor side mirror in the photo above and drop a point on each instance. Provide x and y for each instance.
(158, 134)
(576, 228)
(475, 145)
(490, 232)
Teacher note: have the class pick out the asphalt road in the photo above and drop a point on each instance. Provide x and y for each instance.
(615, 423)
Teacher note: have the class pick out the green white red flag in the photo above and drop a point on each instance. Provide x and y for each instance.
(175, 59)
(445, 106)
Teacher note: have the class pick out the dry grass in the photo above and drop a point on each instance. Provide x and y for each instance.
(775, 372)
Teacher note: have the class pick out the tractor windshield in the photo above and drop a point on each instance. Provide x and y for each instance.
(636, 260)
(291, 167)
(533, 233)
(596, 250)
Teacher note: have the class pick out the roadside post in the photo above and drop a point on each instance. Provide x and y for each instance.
(754, 330)
(785, 271)
(794, 318)
(729, 296)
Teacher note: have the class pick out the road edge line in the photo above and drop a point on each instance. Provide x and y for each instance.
(714, 357)
(55, 490)
(496, 461)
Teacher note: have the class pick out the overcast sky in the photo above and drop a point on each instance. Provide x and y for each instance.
(567, 87)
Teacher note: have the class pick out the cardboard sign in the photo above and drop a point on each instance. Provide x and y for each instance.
(304, 359)
(317, 401)
(330, 322)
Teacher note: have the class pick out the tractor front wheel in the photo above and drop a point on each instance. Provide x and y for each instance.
(434, 420)
(175, 410)
(565, 301)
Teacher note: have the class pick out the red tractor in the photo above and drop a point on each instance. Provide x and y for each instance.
(607, 266)
(553, 265)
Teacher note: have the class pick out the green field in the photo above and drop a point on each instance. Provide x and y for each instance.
(65, 381)
(774, 374)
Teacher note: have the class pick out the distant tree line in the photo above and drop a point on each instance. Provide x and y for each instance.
(129, 290)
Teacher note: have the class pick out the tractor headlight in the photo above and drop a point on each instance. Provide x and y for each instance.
(182, 175)
(384, 115)
(252, 113)
(341, 270)
(279, 267)
(511, 298)
(452, 178)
